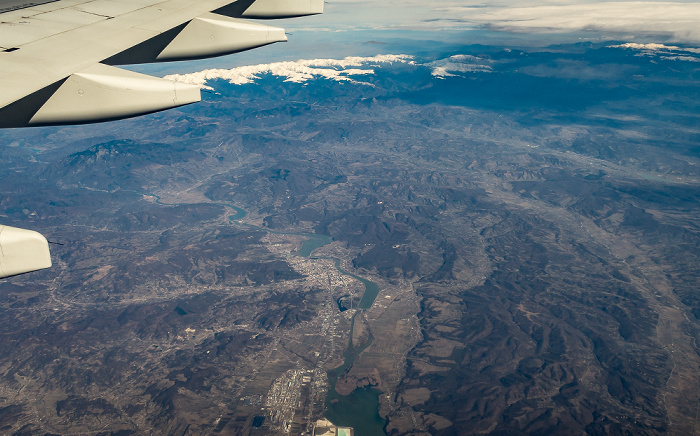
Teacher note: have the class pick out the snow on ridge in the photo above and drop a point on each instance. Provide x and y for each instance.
(340, 70)
(669, 52)
(655, 47)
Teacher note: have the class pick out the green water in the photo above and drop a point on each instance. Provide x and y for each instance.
(314, 242)
(318, 241)
(240, 213)
(371, 288)
(360, 409)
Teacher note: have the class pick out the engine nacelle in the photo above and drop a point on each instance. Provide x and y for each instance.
(214, 35)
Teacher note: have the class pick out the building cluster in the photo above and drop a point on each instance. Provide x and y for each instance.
(295, 398)
(324, 427)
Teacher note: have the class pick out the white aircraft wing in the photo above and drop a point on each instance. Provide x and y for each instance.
(59, 58)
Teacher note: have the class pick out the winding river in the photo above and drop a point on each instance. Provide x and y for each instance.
(360, 409)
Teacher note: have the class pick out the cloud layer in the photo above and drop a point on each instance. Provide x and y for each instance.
(680, 21)
(340, 70)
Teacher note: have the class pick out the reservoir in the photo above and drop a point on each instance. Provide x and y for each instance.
(360, 409)
(240, 213)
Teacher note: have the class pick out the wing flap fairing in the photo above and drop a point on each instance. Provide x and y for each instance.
(214, 35)
(102, 93)
(22, 251)
(273, 9)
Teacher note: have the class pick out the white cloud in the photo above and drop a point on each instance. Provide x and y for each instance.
(459, 64)
(340, 70)
(678, 20)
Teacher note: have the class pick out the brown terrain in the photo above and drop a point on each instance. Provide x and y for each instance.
(535, 278)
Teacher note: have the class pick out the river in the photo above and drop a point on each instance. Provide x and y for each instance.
(360, 409)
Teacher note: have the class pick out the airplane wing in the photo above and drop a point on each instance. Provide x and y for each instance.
(58, 57)
(59, 65)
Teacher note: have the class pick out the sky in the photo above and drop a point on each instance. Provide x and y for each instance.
(392, 27)
(670, 20)
(333, 45)
(675, 21)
